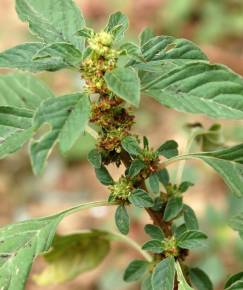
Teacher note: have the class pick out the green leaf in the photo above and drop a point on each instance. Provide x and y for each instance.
(178, 230)
(15, 129)
(21, 57)
(22, 242)
(183, 285)
(164, 274)
(173, 208)
(200, 279)
(183, 187)
(167, 48)
(154, 246)
(229, 165)
(22, 91)
(154, 182)
(62, 54)
(145, 142)
(130, 144)
(163, 176)
(191, 239)
(95, 158)
(190, 218)
(55, 21)
(141, 198)
(103, 176)
(233, 279)
(135, 167)
(20, 95)
(72, 255)
(86, 32)
(213, 139)
(135, 270)
(117, 25)
(169, 149)
(125, 83)
(31, 238)
(154, 232)
(147, 283)
(236, 286)
(146, 35)
(122, 220)
(200, 88)
(68, 116)
(236, 222)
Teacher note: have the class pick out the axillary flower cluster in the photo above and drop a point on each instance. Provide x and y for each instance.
(109, 111)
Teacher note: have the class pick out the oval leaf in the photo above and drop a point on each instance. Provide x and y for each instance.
(124, 82)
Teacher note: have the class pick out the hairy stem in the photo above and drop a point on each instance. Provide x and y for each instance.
(87, 206)
(134, 245)
(181, 166)
(92, 132)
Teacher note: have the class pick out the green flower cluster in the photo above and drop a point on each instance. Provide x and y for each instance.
(121, 189)
(102, 58)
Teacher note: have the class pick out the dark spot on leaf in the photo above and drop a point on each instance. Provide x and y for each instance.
(170, 47)
(23, 98)
(5, 256)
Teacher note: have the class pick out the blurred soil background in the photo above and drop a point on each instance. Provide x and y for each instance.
(217, 26)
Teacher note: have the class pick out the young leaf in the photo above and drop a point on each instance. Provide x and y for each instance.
(130, 144)
(117, 25)
(164, 274)
(122, 220)
(103, 175)
(95, 158)
(135, 167)
(68, 115)
(233, 279)
(154, 182)
(191, 239)
(21, 57)
(213, 139)
(146, 35)
(154, 232)
(173, 208)
(125, 83)
(200, 88)
(140, 198)
(169, 149)
(183, 187)
(22, 91)
(86, 32)
(163, 176)
(183, 285)
(200, 279)
(190, 218)
(53, 21)
(62, 54)
(154, 246)
(15, 129)
(135, 270)
(145, 142)
(72, 255)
